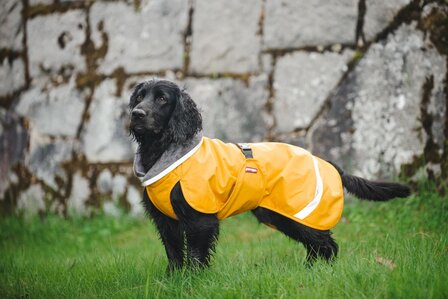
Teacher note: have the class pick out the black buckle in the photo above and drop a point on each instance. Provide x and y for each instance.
(247, 151)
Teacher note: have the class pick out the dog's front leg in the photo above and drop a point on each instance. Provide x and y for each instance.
(202, 234)
(170, 232)
(201, 230)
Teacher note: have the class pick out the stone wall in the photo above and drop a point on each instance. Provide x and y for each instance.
(363, 83)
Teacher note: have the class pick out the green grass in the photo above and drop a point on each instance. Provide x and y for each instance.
(387, 250)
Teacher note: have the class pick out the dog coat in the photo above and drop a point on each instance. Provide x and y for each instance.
(221, 178)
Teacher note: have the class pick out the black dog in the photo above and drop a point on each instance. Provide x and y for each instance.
(164, 117)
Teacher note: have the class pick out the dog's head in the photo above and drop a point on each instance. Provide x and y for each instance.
(160, 109)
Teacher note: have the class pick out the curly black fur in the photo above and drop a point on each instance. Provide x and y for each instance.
(318, 243)
(162, 115)
(182, 122)
(370, 190)
(170, 232)
(201, 229)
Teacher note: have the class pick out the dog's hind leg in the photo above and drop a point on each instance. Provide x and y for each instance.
(170, 232)
(201, 230)
(318, 243)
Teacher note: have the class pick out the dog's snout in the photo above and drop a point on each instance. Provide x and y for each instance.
(138, 113)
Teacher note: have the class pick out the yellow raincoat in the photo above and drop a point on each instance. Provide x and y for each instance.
(217, 178)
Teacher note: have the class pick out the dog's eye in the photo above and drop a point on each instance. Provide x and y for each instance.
(138, 99)
(161, 99)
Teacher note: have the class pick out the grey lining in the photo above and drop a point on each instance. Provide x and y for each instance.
(170, 156)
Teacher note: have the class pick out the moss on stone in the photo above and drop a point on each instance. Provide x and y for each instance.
(436, 23)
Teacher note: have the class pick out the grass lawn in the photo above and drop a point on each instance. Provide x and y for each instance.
(387, 250)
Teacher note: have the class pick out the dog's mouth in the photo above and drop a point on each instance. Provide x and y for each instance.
(140, 129)
(136, 127)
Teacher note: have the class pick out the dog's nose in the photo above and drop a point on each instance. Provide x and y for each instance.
(138, 113)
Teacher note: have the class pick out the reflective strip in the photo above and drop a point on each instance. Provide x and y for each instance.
(172, 166)
(306, 211)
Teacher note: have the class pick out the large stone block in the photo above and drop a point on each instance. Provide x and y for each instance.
(231, 111)
(437, 112)
(225, 38)
(292, 24)
(134, 198)
(54, 43)
(387, 111)
(150, 39)
(104, 181)
(13, 143)
(385, 105)
(12, 76)
(379, 13)
(114, 185)
(302, 83)
(331, 134)
(11, 28)
(31, 201)
(53, 110)
(105, 137)
(80, 193)
(46, 157)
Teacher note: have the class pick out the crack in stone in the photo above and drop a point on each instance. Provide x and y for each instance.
(25, 44)
(188, 36)
(407, 14)
(311, 49)
(445, 146)
(58, 7)
(431, 149)
(260, 30)
(269, 106)
(359, 34)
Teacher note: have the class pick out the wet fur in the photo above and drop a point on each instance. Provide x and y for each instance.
(190, 241)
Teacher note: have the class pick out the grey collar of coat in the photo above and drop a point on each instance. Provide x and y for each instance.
(170, 159)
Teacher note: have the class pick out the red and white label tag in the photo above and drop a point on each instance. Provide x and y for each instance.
(251, 170)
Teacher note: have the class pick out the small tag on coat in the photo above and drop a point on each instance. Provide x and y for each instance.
(251, 170)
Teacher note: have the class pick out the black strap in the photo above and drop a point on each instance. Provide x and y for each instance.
(247, 151)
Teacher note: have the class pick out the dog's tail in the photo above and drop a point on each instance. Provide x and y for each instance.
(375, 191)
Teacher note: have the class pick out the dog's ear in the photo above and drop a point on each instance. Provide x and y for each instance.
(186, 120)
(134, 94)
